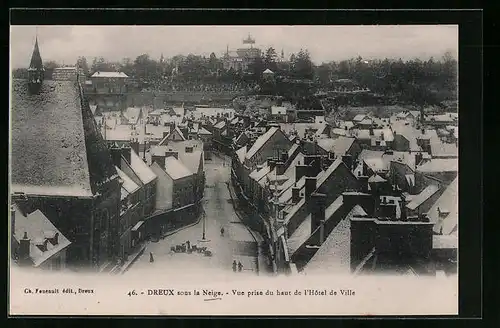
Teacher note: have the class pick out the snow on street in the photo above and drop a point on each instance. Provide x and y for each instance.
(237, 242)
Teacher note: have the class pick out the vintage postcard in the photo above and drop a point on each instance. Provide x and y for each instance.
(233, 170)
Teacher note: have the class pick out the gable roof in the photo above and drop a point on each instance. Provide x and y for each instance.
(173, 135)
(261, 141)
(220, 125)
(424, 195)
(334, 255)
(38, 228)
(175, 169)
(128, 184)
(268, 71)
(203, 131)
(338, 146)
(241, 153)
(448, 206)
(141, 169)
(50, 158)
(437, 165)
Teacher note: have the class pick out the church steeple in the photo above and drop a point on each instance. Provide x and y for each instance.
(36, 70)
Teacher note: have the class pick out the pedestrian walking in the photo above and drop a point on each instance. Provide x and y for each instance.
(151, 258)
(234, 266)
(240, 266)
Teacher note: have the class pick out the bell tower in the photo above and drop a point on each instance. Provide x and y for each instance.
(35, 70)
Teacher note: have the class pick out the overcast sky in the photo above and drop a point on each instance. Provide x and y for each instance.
(325, 43)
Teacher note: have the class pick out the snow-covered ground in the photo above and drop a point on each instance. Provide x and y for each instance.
(236, 244)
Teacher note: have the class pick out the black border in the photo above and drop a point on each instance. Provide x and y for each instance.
(470, 96)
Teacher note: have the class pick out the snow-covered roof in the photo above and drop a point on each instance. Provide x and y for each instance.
(241, 153)
(338, 146)
(439, 165)
(175, 169)
(128, 184)
(110, 74)
(203, 131)
(38, 228)
(447, 215)
(220, 125)
(417, 200)
(299, 236)
(261, 141)
(278, 110)
(268, 71)
(334, 255)
(359, 117)
(141, 169)
(376, 179)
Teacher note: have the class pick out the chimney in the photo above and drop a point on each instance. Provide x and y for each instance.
(418, 158)
(24, 247)
(388, 210)
(172, 153)
(126, 153)
(116, 156)
(318, 202)
(363, 183)
(310, 187)
(271, 163)
(55, 240)
(284, 156)
(423, 131)
(159, 159)
(300, 171)
(295, 194)
(12, 220)
(280, 168)
(134, 144)
(347, 159)
(371, 131)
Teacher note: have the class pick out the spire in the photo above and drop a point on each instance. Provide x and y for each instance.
(36, 59)
(35, 70)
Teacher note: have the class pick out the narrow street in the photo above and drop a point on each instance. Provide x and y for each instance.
(237, 243)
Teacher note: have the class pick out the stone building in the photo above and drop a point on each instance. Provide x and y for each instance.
(62, 167)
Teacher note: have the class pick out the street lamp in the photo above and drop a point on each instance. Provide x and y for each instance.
(203, 238)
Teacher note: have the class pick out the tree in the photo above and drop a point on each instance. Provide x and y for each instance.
(270, 59)
(102, 65)
(82, 63)
(323, 72)
(146, 68)
(303, 67)
(49, 68)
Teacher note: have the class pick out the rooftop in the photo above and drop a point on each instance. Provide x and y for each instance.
(439, 165)
(143, 171)
(38, 227)
(68, 159)
(175, 168)
(338, 146)
(417, 200)
(110, 74)
(128, 184)
(334, 255)
(241, 153)
(447, 215)
(261, 141)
